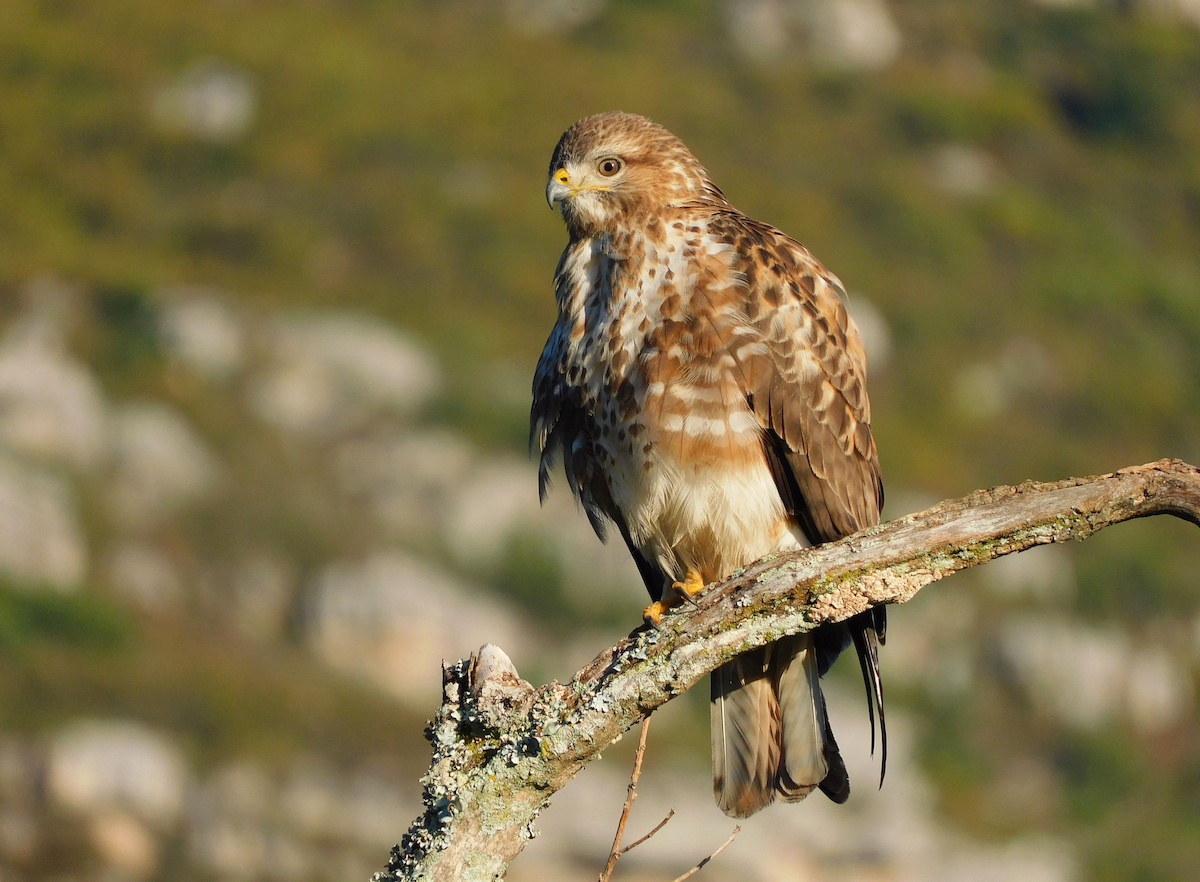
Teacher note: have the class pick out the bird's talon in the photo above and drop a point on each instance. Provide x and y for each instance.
(654, 613)
(691, 587)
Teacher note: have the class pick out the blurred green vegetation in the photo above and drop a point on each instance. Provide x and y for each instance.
(28, 615)
(396, 166)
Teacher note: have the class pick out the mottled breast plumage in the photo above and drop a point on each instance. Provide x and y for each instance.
(679, 347)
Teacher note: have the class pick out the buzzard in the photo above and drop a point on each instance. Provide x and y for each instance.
(705, 388)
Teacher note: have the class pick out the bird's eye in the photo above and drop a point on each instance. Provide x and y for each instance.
(609, 166)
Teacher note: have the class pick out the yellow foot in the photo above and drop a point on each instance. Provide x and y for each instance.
(691, 586)
(688, 589)
(654, 612)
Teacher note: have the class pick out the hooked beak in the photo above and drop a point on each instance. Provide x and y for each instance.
(558, 188)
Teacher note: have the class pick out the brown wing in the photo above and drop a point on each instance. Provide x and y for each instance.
(803, 370)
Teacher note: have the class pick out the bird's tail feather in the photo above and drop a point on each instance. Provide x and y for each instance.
(745, 733)
(770, 730)
(803, 764)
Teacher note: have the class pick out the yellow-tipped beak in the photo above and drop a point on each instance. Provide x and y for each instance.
(559, 188)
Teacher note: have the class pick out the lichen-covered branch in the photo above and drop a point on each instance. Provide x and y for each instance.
(502, 748)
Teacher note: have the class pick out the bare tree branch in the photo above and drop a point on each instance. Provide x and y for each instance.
(502, 748)
(615, 852)
(700, 866)
(657, 827)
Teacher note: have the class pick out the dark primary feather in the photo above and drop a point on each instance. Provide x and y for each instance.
(866, 643)
(559, 426)
(837, 782)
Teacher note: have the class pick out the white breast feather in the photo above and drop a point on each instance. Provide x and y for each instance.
(680, 517)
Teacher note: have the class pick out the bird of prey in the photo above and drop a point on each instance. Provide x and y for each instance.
(705, 388)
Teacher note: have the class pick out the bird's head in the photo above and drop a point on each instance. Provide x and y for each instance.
(609, 169)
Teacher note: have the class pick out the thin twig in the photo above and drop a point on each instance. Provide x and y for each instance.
(629, 798)
(661, 824)
(696, 869)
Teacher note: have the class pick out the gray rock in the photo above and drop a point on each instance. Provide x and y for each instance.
(1184, 11)
(228, 818)
(245, 823)
(202, 332)
(893, 833)
(242, 790)
(408, 479)
(1072, 671)
(51, 407)
(20, 772)
(833, 34)
(428, 485)
(160, 464)
(1084, 676)
(929, 641)
(329, 372)
(963, 170)
(762, 30)
(541, 17)
(1028, 858)
(211, 101)
(854, 34)
(288, 859)
(100, 765)
(392, 619)
(1159, 689)
(494, 500)
(42, 542)
(361, 808)
(311, 800)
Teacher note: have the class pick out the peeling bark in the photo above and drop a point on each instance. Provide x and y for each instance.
(502, 748)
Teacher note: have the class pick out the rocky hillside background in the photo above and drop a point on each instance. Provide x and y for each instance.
(273, 280)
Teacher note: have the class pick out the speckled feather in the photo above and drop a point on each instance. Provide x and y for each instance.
(706, 390)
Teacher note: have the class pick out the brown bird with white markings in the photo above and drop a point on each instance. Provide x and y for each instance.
(706, 390)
